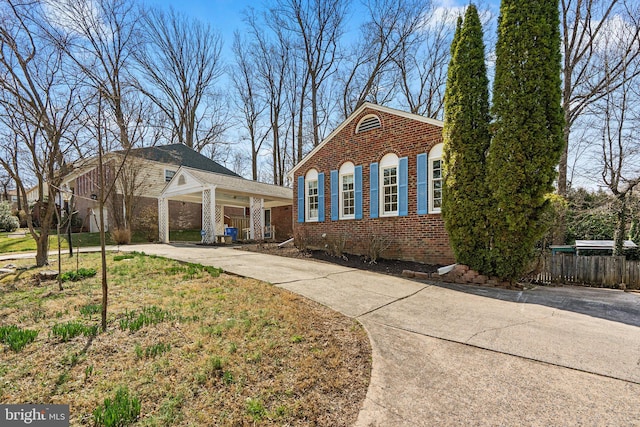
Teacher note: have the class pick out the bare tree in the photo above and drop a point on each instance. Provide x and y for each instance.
(271, 58)
(38, 106)
(390, 32)
(101, 37)
(586, 26)
(423, 65)
(617, 120)
(316, 27)
(250, 102)
(182, 64)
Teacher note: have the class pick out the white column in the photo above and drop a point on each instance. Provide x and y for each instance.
(163, 220)
(257, 218)
(209, 214)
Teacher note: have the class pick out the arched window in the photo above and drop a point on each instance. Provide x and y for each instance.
(389, 185)
(311, 191)
(436, 178)
(347, 191)
(368, 122)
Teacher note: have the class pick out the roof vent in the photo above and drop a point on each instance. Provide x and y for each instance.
(369, 123)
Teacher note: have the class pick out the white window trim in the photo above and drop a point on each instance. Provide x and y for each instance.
(434, 154)
(389, 161)
(311, 176)
(345, 170)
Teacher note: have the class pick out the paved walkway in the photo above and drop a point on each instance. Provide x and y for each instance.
(453, 355)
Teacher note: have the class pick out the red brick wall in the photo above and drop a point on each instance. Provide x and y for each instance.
(421, 238)
(283, 221)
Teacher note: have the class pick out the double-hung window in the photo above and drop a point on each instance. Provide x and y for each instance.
(436, 178)
(348, 197)
(312, 200)
(389, 185)
(347, 191)
(390, 190)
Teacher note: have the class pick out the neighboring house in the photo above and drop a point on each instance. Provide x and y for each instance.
(149, 170)
(375, 183)
(10, 196)
(33, 194)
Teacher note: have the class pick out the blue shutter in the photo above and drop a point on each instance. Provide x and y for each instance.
(335, 196)
(321, 197)
(358, 188)
(403, 187)
(300, 199)
(422, 184)
(373, 190)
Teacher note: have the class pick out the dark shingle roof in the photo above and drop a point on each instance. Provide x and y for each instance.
(181, 155)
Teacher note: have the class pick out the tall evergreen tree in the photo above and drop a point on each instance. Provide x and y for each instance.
(528, 123)
(466, 141)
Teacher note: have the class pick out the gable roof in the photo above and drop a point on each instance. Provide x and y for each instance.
(181, 155)
(353, 116)
(225, 183)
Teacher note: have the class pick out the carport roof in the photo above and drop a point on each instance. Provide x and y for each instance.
(188, 181)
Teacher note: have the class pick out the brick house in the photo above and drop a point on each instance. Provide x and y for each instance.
(152, 169)
(376, 180)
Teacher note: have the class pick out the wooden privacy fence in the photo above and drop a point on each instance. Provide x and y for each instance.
(601, 271)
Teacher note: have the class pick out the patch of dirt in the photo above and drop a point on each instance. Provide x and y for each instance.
(386, 266)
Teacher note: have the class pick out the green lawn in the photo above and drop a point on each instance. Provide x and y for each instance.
(190, 345)
(27, 244)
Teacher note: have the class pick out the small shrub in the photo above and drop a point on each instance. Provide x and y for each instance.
(68, 331)
(16, 338)
(147, 223)
(134, 321)
(74, 276)
(121, 236)
(121, 411)
(301, 240)
(8, 222)
(375, 245)
(335, 245)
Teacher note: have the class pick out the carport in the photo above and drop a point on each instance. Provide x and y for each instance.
(215, 191)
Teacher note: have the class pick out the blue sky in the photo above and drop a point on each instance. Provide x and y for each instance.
(226, 15)
(223, 15)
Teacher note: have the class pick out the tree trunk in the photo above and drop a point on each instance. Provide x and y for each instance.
(42, 250)
(618, 244)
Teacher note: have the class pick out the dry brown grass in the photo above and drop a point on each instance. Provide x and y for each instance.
(241, 352)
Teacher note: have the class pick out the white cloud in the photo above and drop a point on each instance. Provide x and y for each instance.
(72, 16)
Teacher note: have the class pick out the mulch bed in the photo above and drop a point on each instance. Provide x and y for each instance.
(386, 266)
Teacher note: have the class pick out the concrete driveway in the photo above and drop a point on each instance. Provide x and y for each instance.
(461, 355)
